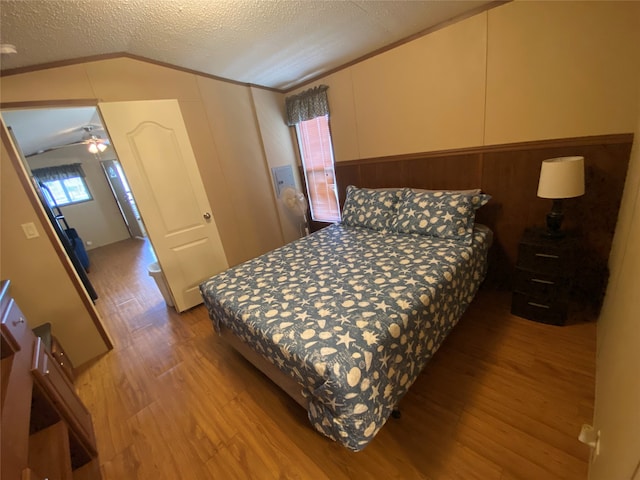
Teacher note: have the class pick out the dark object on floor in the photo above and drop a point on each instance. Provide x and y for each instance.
(78, 246)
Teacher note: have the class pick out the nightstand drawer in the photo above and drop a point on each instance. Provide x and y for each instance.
(542, 285)
(544, 260)
(526, 306)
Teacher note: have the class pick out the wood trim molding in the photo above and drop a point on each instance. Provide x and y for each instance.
(115, 55)
(609, 139)
(82, 102)
(61, 63)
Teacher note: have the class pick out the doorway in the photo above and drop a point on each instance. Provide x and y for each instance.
(124, 197)
(89, 205)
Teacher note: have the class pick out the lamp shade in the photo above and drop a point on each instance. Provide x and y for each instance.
(561, 177)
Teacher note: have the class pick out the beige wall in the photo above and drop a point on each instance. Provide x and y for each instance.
(279, 148)
(562, 69)
(222, 127)
(39, 282)
(97, 221)
(519, 72)
(617, 406)
(231, 117)
(426, 95)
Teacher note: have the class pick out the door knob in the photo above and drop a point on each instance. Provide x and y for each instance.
(206, 215)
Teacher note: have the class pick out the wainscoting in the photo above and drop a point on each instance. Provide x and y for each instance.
(510, 174)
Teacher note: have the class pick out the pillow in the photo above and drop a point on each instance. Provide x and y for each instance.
(373, 209)
(471, 191)
(479, 199)
(438, 214)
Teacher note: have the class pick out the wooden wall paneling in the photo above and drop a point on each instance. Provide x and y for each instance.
(510, 173)
(595, 215)
(347, 175)
(383, 174)
(448, 172)
(511, 178)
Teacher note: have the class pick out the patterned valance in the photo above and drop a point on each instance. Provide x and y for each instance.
(307, 105)
(60, 172)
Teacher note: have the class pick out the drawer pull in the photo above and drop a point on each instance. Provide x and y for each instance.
(539, 305)
(18, 322)
(547, 255)
(46, 372)
(546, 282)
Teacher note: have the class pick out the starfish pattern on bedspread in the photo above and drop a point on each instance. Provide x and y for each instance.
(352, 314)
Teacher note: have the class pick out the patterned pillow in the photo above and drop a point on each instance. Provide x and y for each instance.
(373, 209)
(479, 199)
(438, 214)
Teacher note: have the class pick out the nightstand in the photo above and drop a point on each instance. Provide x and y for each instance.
(544, 273)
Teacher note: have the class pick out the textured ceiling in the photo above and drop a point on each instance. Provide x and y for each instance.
(272, 43)
(40, 129)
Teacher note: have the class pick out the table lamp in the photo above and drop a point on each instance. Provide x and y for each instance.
(560, 178)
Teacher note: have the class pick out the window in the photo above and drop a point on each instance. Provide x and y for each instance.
(68, 191)
(308, 111)
(314, 140)
(65, 182)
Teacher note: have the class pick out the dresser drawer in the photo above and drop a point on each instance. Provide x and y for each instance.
(543, 286)
(54, 383)
(15, 331)
(526, 306)
(62, 358)
(545, 260)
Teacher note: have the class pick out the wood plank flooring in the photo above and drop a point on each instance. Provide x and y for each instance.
(504, 398)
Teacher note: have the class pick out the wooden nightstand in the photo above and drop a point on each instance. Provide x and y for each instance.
(544, 273)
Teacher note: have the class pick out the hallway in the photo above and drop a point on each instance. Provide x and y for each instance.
(119, 276)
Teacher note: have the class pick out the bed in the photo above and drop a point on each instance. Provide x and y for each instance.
(345, 319)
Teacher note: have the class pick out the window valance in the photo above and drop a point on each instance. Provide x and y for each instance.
(60, 172)
(307, 105)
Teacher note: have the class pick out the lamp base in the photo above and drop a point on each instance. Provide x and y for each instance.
(554, 220)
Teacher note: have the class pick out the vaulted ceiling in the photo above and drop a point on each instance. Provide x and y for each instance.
(272, 43)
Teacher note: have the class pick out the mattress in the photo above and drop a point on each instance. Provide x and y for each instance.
(352, 314)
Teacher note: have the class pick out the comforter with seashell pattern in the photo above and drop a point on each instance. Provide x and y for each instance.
(352, 314)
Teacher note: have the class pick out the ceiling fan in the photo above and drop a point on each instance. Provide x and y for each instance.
(94, 141)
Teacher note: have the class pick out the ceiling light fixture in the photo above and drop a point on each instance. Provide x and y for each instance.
(94, 146)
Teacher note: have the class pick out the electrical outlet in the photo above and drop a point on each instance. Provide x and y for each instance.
(30, 230)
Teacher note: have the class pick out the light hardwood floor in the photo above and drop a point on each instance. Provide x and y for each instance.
(504, 398)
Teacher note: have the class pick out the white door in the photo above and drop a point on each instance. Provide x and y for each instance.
(151, 142)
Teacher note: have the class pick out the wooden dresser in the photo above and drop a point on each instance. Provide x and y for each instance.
(47, 432)
(544, 274)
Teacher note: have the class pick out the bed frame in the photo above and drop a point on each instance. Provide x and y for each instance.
(286, 383)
